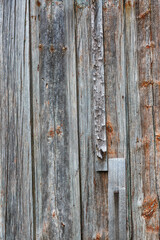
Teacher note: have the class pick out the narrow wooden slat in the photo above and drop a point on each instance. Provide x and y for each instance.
(115, 81)
(141, 120)
(2, 131)
(117, 199)
(15, 141)
(115, 78)
(94, 193)
(99, 85)
(155, 50)
(56, 160)
(155, 60)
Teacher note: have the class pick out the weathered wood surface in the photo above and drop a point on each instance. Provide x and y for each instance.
(16, 218)
(79, 83)
(56, 155)
(141, 85)
(115, 78)
(94, 190)
(99, 84)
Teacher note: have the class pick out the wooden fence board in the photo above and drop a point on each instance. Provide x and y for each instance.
(93, 184)
(56, 157)
(141, 120)
(115, 78)
(15, 157)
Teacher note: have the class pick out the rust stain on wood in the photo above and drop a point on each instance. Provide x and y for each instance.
(98, 236)
(58, 130)
(52, 49)
(144, 14)
(146, 83)
(152, 229)
(158, 137)
(149, 207)
(151, 45)
(40, 46)
(51, 133)
(109, 127)
(128, 4)
(38, 3)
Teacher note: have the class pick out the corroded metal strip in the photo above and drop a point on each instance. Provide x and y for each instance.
(98, 78)
(117, 199)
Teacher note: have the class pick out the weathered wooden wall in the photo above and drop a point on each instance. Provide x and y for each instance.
(79, 84)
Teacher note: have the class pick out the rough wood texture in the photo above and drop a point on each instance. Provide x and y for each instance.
(98, 78)
(117, 199)
(56, 158)
(15, 141)
(79, 83)
(139, 60)
(115, 78)
(93, 184)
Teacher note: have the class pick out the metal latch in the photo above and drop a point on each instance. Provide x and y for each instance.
(117, 199)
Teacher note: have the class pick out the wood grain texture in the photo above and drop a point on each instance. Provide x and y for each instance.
(98, 78)
(155, 60)
(16, 221)
(56, 157)
(139, 60)
(79, 83)
(94, 195)
(115, 81)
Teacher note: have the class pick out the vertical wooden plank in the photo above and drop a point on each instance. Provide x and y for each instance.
(2, 178)
(155, 60)
(15, 132)
(141, 121)
(117, 198)
(115, 81)
(56, 158)
(99, 85)
(115, 78)
(94, 192)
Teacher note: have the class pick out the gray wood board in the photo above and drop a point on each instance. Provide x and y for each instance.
(115, 79)
(94, 192)
(139, 61)
(16, 221)
(56, 157)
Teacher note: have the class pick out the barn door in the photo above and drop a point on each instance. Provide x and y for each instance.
(80, 128)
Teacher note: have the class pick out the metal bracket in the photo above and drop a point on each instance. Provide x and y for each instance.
(101, 164)
(117, 199)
